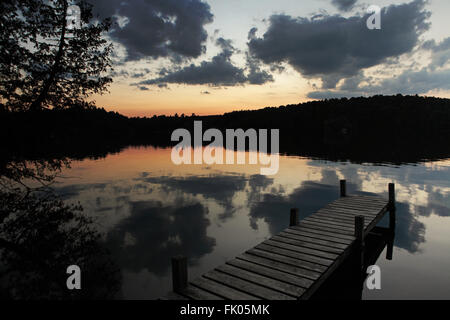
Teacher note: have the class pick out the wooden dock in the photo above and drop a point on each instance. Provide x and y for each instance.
(296, 262)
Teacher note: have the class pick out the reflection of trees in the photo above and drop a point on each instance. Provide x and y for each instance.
(154, 233)
(40, 237)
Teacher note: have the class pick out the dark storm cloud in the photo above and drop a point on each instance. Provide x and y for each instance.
(256, 75)
(334, 47)
(158, 28)
(220, 71)
(344, 5)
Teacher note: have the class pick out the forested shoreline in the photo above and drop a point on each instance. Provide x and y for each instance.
(376, 129)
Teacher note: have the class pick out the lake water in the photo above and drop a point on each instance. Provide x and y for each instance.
(149, 210)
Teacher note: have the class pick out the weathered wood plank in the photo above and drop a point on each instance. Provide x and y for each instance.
(333, 216)
(351, 209)
(318, 226)
(296, 255)
(347, 214)
(354, 212)
(246, 286)
(222, 290)
(195, 293)
(304, 244)
(281, 266)
(361, 198)
(262, 280)
(288, 260)
(272, 273)
(311, 240)
(368, 205)
(331, 219)
(317, 234)
(328, 224)
(283, 245)
(356, 206)
(367, 197)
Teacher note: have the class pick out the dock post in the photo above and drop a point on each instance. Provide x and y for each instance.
(294, 217)
(392, 206)
(343, 188)
(392, 221)
(359, 234)
(179, 273)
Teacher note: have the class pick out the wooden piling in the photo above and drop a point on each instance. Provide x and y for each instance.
(392, 209)
(343, 188)
(179, 273)
(392, 194)
(359, 234)
(294, 219)
(359, 228)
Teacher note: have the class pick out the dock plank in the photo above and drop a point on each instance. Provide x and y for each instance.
(299, 243)
(280, 244)
(288, 260)
(285, 267)
(246, 286)
(272, 273)
(293, 254)
(261, 280)
(222, 290)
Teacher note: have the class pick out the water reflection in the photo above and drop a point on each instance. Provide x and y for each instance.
(149, 210)
(40, 237)
(156, 232)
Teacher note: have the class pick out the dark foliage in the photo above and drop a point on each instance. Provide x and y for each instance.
(40, 237)
(377, 129)
(46, 64)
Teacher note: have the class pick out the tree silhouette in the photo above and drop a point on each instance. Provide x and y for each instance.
(44, 63)
(40, 237)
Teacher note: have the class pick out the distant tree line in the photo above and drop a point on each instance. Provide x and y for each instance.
(380, 128)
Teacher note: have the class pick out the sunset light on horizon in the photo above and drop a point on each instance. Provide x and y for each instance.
(230, 64)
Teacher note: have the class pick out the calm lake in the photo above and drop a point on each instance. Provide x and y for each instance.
(149, 210)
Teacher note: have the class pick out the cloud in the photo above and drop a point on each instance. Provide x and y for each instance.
(440, 52)
(160, 232)
(333, 47)
(219, 71)
(222, 188)
(158, 28)
(256, 75)
(408, 82)
(344, 5)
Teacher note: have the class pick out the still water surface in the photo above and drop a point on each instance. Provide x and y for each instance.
(149, 210)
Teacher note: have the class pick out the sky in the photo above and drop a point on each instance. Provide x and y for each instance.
(216, 56)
